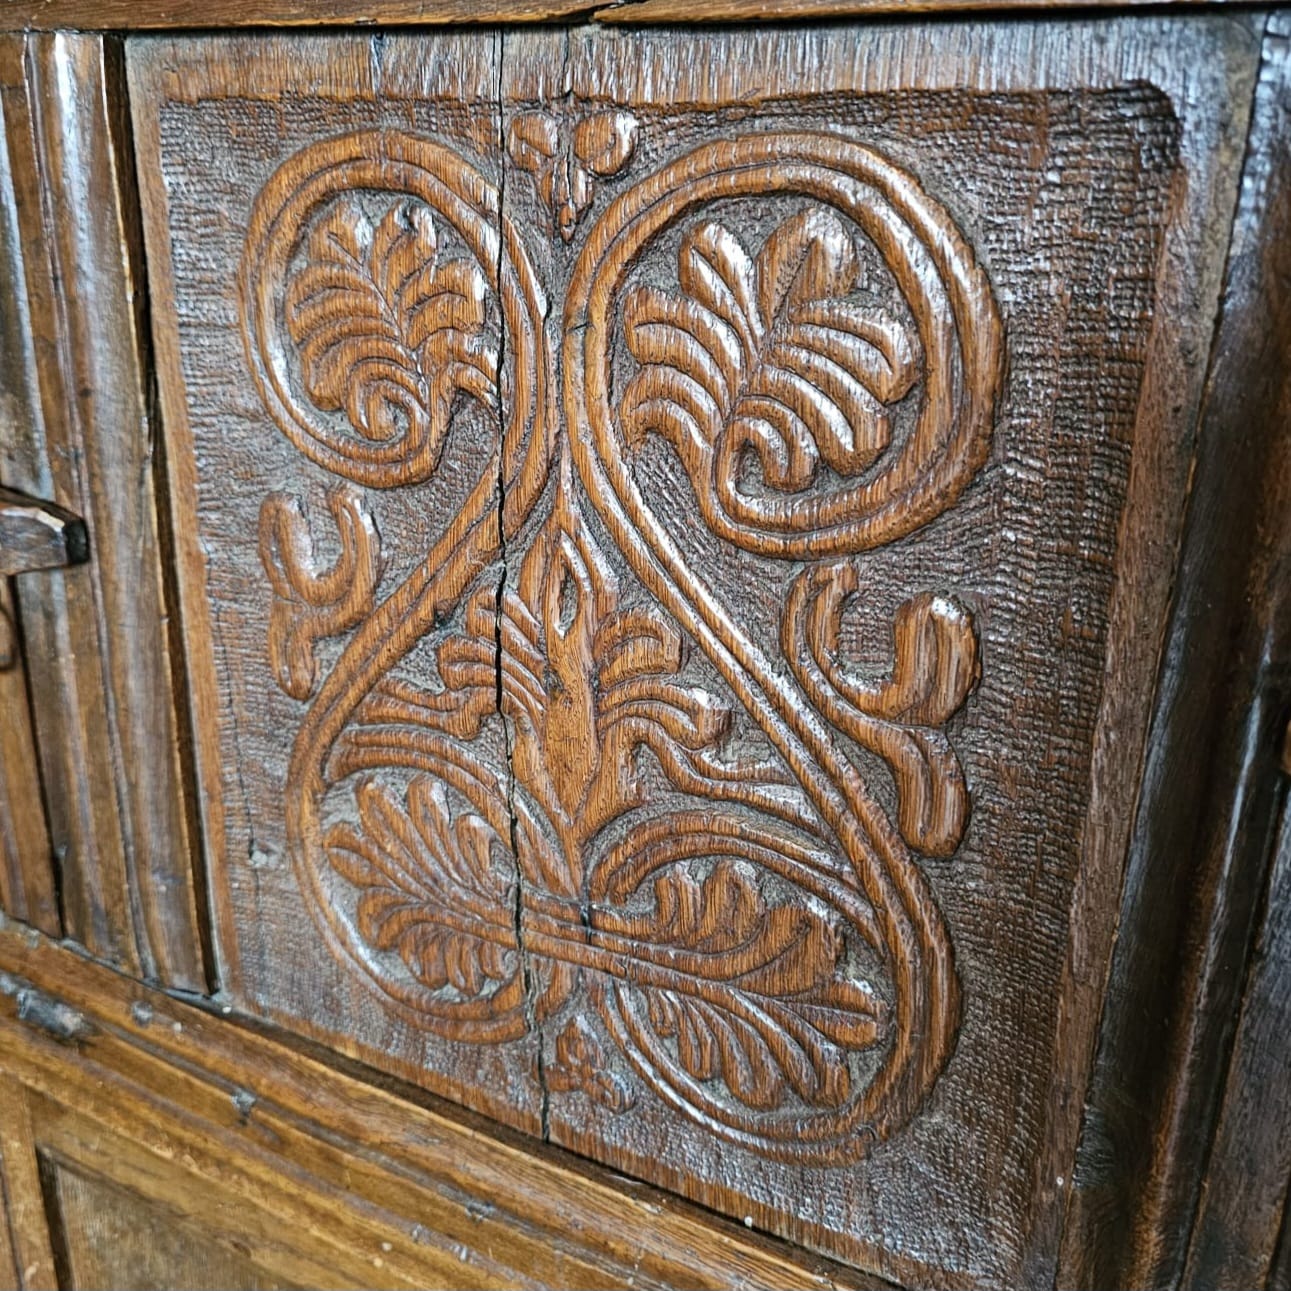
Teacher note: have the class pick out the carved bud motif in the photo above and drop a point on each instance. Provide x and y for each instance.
(311, 603)
(580, 1064)
(935, 666)
(564, 160)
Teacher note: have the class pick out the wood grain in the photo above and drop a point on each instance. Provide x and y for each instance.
(677, 11)
(1280, 1272)
(1202, 843)
(706, 81)
(139, 15)
(9, 1271)
(51, 15)
(1248, 1174)
(28, 1233)
(383, 1186)
(522, 566)
(112, 1236)
(98, 650)
(27, 889)
(38, 535)
(294, 570)
(26, 861)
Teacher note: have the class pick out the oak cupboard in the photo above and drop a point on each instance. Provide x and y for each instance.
(645, 654)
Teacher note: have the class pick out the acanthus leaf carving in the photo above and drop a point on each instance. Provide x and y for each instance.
(763, 948)
(770, 1012)
(765, 356)
(587, 683)
(387, 332)
(429, 886)
(467, 666)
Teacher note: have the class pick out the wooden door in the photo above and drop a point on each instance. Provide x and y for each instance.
(674, 534)
(77, 433)
(729, 593)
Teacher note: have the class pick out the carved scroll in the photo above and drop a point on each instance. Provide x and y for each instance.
(310, 603)
(756, 938)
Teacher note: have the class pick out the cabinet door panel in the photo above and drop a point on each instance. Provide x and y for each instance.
(677, 530)
(282, 550)
(112, 1237)
(26, 859)
(78, 434)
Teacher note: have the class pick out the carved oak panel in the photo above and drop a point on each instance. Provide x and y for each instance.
(674, 543)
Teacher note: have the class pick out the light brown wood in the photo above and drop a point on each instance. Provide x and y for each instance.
(329, 1170)
(28, 1232)
(113, 1236)
(8, 1259)
(98, 652)
(26, 860)
(142, 15)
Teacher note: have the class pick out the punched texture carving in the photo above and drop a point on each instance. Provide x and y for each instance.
(985, 675)
(680, 855)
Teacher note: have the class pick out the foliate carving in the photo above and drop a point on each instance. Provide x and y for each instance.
(386, 331)
(606, 811)
(359, 330)
(900, 716)
(952, 317)
(310, 603)
(766, 359)
(432, 887)
(775, 1013)
(587, 684)
(564, 158)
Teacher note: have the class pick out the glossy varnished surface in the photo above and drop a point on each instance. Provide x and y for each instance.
(742, 801)
(96, 641)
(312, 1177)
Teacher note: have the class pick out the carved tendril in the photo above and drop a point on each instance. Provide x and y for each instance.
(935, 666)
(309, 602)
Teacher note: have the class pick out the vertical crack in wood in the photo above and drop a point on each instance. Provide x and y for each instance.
(507, 741)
